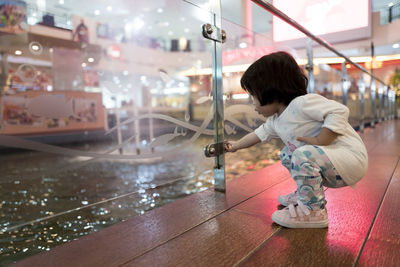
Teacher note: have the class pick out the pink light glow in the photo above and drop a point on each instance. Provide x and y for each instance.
(320, 17)
(244, 55)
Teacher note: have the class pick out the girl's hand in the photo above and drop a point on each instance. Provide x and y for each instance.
(309, 140)
(230, 146)
(324, 138)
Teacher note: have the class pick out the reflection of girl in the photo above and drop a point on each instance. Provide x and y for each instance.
(321, 146)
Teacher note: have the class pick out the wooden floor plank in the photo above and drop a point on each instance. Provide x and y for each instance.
(126, 240)
(383, 245)
(374, 137)
(224, 240)
(351, 212)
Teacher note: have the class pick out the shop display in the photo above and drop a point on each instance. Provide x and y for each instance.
(12, 16)
(45, 112)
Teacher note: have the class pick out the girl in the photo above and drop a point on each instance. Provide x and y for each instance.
(322, 149)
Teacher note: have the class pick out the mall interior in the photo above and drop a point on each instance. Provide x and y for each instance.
(111, 110)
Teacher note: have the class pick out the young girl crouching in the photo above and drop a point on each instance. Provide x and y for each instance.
(322, 149)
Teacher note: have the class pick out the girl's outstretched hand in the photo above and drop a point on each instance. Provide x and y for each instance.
(230, 146)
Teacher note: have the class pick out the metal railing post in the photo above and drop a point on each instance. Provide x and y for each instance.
(345, 84)
(373, 102)
(380, 112)
(217, 93)
(361, 89)
(310, 67)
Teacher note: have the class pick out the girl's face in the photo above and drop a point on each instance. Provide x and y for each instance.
(268, 109)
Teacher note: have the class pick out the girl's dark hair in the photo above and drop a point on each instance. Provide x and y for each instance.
(275, 77)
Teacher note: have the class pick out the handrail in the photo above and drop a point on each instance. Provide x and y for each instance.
(319, 40)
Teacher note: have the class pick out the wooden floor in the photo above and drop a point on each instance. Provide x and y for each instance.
(215, 229)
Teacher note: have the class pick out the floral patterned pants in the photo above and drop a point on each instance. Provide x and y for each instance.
(311, 169)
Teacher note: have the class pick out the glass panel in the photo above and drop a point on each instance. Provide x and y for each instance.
(103, 116)
(353, 95)
(249, 36)
(244, 45)
(328, 81)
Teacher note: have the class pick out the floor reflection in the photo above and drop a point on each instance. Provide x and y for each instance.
(47, 200)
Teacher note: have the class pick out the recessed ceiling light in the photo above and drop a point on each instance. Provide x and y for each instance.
(61, 2)
(90, 60)
(18, 52)
(109, 8)
(243, 45)
(160, 10)
(97, 12)
(396, 45)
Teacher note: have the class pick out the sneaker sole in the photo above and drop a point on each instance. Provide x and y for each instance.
(321, 224)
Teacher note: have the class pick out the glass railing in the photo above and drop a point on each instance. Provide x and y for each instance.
(339, 77)
(243, 47)
(334, 76)
(102, 122)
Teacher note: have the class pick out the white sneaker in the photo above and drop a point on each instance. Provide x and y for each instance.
(300, 216)
(286, 200)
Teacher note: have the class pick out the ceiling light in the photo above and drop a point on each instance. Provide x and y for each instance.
(138, 23)
(61, 2)
(160, 10)
(18, 52)
(240, 96)
(83, 64)
(90, 60)
(97, 12)
(243, 45)
(396, 45)
(109, 8)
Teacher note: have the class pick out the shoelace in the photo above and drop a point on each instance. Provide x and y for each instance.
(302, 210)
(292, 195)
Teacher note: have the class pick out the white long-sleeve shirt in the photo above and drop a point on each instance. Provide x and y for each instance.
(304, 117)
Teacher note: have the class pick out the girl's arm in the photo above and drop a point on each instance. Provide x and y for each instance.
(324, 138)
(247, 141)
